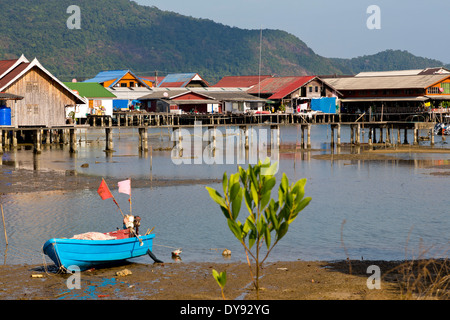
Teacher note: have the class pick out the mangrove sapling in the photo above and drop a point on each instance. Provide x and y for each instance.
(221, 279)
(268, 220)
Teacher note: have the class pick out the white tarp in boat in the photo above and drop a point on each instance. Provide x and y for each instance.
(92, 236)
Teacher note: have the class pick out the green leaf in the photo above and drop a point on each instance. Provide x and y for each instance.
(225, 183)
(236, 203)
(235, 229)
(269, 170)
(284, 183)
(235, 188)
(254, 194)
(221, 278)
(217, 197)
(251, 238)
(248, 201)
(282, 230)
(299, 208)
(267, 237)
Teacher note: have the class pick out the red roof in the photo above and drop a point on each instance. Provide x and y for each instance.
(281, 86)
(5, 65)
(240, 81)
(12, 74)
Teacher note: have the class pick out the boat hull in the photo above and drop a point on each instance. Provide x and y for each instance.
(72, 254)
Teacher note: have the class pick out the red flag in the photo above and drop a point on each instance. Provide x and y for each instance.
(103, 191)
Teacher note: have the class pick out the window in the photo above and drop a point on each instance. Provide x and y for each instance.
(310, 89)
(433, 90)
(32, 87)
(317, 89)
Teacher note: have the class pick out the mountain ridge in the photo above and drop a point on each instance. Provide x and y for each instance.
(121, 34)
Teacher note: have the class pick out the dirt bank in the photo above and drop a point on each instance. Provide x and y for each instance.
(24, 181)
(298, 280)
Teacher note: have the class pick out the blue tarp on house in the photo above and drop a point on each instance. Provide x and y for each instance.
(120, 104)
(326, 105)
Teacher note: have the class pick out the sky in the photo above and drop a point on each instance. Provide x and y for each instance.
(335, 28)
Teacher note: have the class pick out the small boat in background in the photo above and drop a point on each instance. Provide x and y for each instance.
(442, 129)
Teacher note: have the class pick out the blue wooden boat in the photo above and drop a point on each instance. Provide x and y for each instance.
(68, 254)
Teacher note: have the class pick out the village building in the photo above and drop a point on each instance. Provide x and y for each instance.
(201, 100)
(120, 78)
(45, 98)
(125, 85)
(404, 92)
(99, 101)
(183, 80)
(298, 94)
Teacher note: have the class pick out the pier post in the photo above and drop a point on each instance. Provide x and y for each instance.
(432, 136)
(388, 135)
(109, 140)
(37, 141)
(47, 136)
(339, 135)
(143, 139)
(352, 134)
(405, 141)
(370, 136)
(416, 135)
(332, 136)
(302, 129)
(308, 138)
(399, 140)
(73, 140)
(14, 139)
(1, 141)
(358, 134)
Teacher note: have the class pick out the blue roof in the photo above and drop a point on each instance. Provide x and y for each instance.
(177, 79)
(104, 76)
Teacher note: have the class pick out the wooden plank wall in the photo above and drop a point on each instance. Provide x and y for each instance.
(44, 100)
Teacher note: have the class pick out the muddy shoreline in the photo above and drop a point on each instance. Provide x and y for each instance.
(298, 280)
(25, 181)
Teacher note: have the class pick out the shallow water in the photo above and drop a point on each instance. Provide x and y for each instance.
(378, 209)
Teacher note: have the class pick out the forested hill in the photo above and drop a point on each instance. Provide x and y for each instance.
(120, 34)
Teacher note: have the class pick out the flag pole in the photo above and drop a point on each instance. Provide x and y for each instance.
(130, 197)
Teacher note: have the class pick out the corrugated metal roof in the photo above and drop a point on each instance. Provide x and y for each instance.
(295, 85)
(280, 86)
(393, 82)
(104, 76)
(179, 80)
(123, 93)
(9, 96)
(90, 90)
(109, 75)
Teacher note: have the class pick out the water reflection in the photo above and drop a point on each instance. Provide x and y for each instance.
(391, 201)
